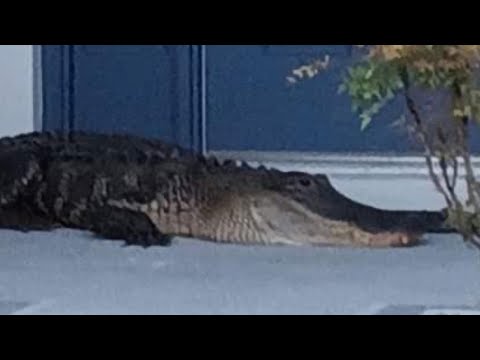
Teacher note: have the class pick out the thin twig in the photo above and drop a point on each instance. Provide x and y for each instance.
(421, 132)
(449, 183)
(475, 241)
(455, 171)
(463, 134)
(472, 190)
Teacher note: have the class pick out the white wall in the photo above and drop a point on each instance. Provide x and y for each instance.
(16, 89)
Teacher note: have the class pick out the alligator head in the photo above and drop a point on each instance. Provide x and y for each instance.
(295, 208)
(310, 209)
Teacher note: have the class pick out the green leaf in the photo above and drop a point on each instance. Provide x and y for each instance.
(390, 95)
(369, 74)
(353, 88)
(376, 108)
(367, 95)
(366, 120)
(355, 107)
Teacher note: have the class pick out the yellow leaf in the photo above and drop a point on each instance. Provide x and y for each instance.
(458, 113)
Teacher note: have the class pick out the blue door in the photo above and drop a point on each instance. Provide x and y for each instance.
(216, 97)
(139, 89)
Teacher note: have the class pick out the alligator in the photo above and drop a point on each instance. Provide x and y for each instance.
(146, 191)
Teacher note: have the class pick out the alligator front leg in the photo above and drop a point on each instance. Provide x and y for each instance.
(135, 228)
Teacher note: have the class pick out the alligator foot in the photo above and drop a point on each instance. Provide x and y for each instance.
(135, 228)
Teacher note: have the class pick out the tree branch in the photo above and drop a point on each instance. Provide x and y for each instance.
(422, 134)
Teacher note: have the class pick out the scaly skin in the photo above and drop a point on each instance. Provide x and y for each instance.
(146, 191)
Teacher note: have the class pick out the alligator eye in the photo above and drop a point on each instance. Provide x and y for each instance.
(305, 182)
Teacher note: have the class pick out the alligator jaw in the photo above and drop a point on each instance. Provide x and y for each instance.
(288, 222)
